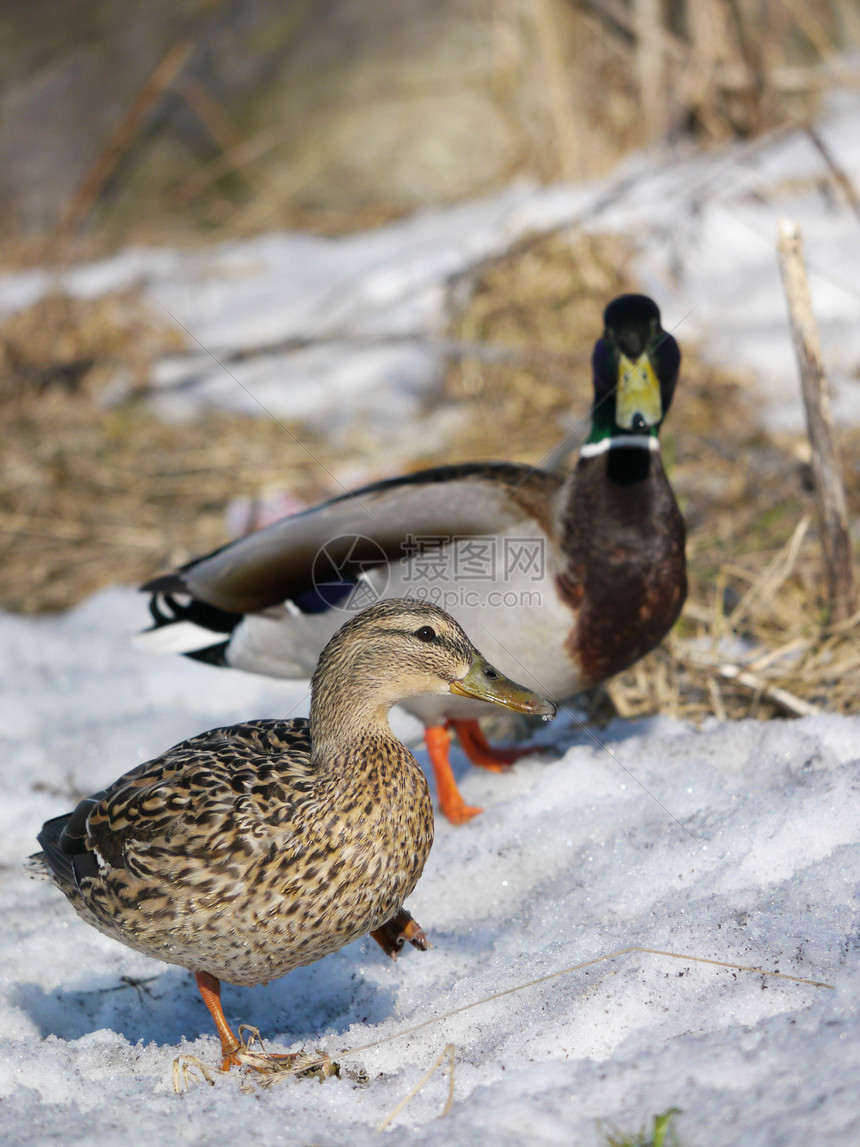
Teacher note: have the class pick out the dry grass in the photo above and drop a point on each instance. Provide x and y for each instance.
(392, 121)
(93, 494)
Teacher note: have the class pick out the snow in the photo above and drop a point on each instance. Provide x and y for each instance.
(737, 843)
(734, 842)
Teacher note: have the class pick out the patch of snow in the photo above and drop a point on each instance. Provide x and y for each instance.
(737, 842)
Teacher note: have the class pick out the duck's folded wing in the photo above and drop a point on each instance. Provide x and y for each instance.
(371, 526)
(228, 785)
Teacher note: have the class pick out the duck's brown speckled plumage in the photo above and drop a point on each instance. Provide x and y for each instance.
(253, 849)
(234, 854)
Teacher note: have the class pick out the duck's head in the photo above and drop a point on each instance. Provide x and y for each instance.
(635, 367)
(397, 649)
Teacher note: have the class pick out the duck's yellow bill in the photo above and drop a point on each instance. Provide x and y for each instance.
(485, 683)
(638, 404)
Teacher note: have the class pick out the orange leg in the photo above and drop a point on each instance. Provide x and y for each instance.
(210, 989)
(476, 747)
(438, 740)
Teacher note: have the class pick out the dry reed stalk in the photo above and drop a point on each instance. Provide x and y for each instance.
(125, 133)
(709, 50)
(840, 176)
(558, 90)
(209, 111)
(448, 1052)
(787, 702)
(650, 70)
(232, 159)
(808, 19)
(826, 468)
(849, 18)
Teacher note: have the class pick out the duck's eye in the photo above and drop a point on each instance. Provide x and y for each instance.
(426, 633)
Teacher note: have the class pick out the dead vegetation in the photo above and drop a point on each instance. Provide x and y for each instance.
(332, 117)
(95, 493)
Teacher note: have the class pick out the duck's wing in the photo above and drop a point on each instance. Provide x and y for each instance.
(363, 529)
(228, 788)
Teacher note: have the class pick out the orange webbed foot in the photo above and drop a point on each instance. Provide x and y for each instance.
(402, 929)
(236, 1052)
(480, 752)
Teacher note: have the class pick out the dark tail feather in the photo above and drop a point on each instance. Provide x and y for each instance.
(165, 583)
(166, 610)
(64, 849)
(53, 855)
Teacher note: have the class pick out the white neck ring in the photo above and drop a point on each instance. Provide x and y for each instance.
(621, 442)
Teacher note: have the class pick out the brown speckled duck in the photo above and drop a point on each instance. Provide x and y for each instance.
(563, 580)
(250, 850)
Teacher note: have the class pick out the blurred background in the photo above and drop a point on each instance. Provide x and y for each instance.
(148, 122)
(190, 126)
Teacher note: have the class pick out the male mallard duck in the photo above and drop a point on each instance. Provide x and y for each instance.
(564, 580)
(248, 851)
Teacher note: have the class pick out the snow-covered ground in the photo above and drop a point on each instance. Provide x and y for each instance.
(738, 843)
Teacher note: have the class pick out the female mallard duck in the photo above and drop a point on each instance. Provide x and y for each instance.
(564, 580)
(248, 851)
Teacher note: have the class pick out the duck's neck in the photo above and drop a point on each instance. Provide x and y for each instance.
(596, 446)
(627, 453)
(607, 435)
(341, 726)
